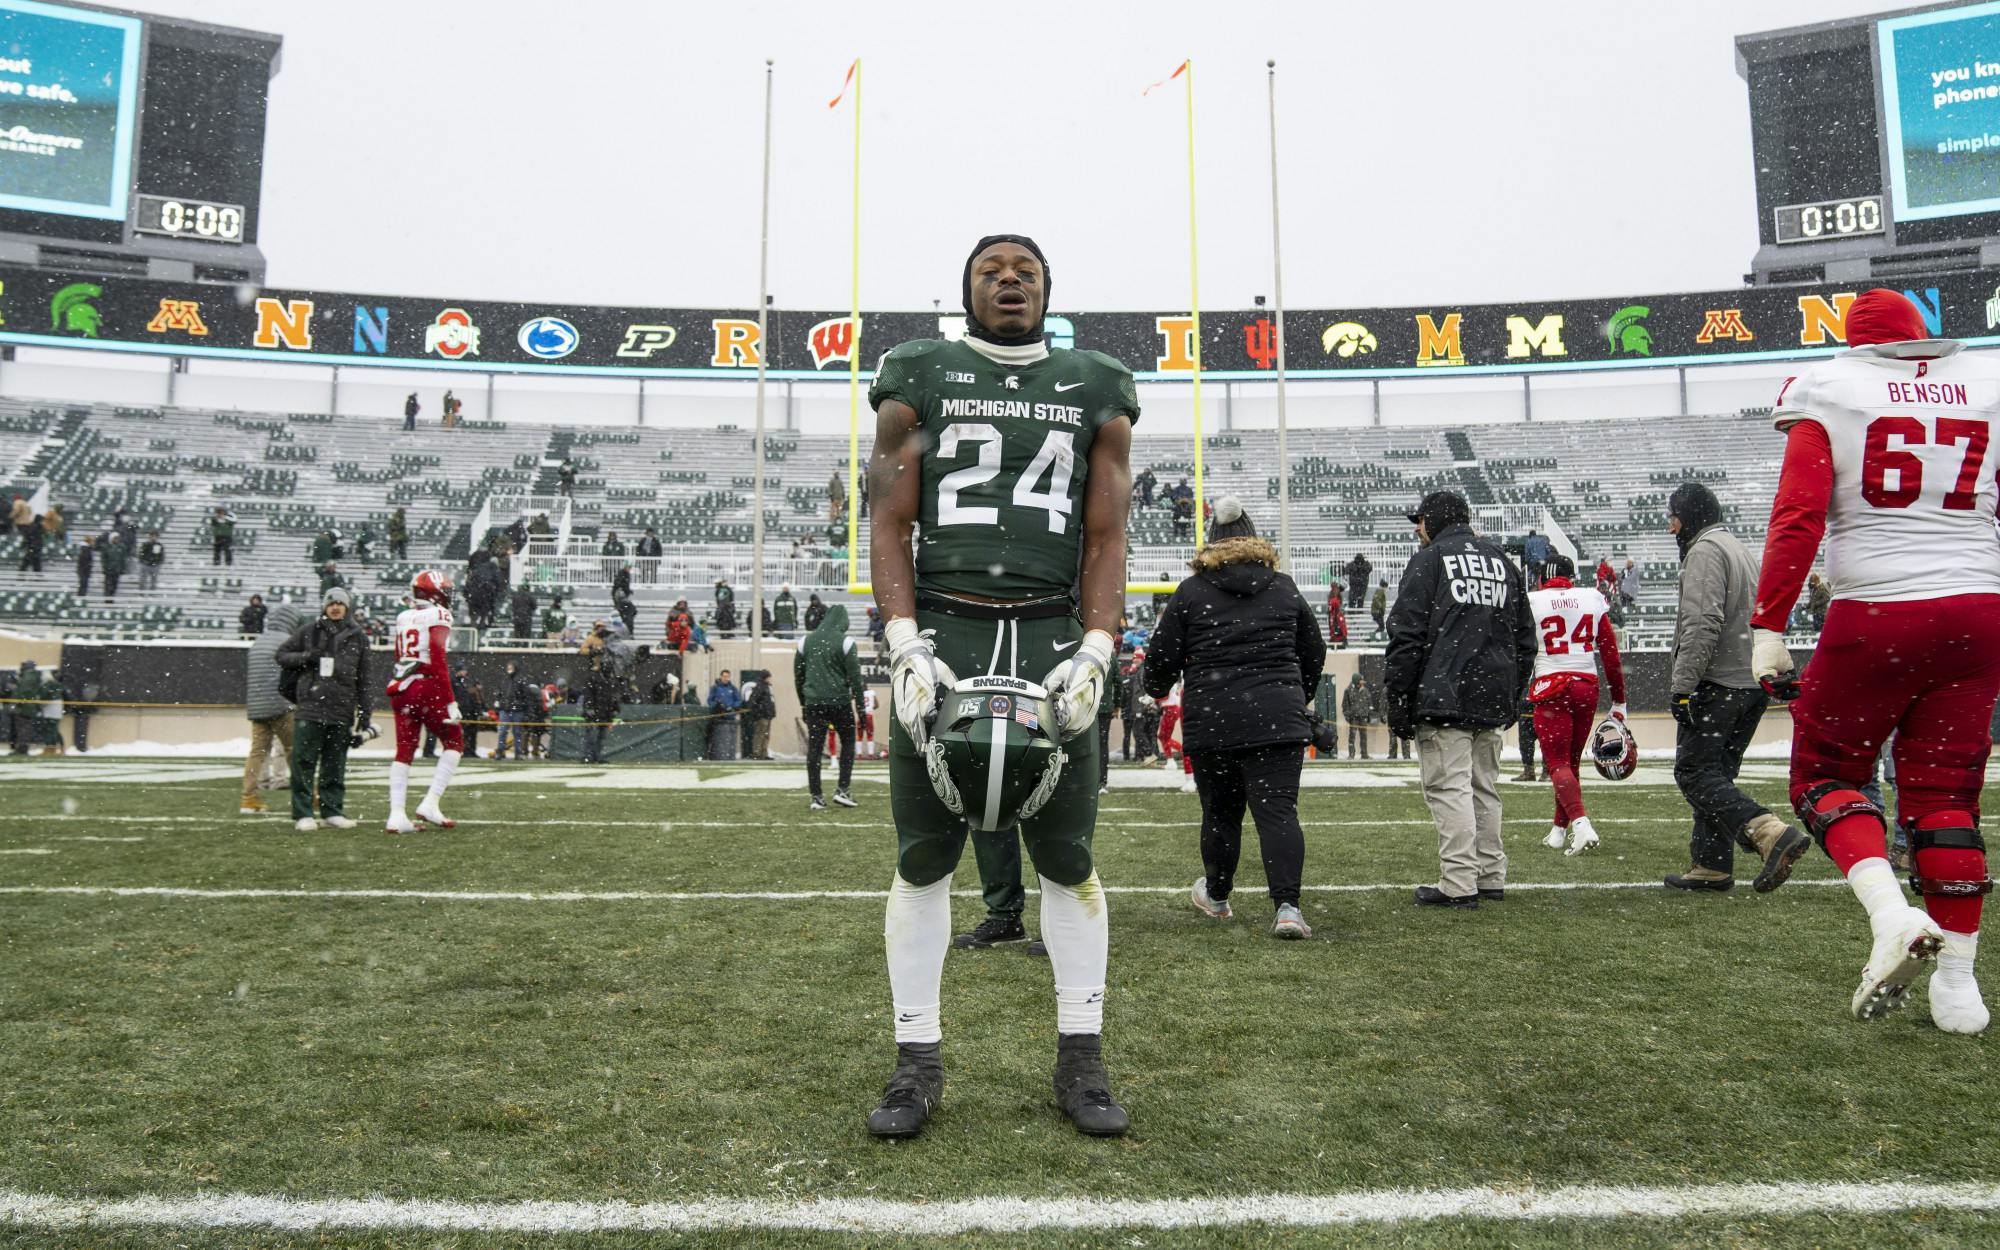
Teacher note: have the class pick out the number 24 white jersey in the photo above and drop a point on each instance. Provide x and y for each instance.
(1914, 462)
(1566, 625)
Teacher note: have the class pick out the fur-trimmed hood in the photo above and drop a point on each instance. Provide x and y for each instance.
(1241, 566)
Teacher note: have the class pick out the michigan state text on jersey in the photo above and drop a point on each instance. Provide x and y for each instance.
(1000, 481)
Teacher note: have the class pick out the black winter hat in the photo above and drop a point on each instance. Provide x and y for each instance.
(1440, 510)
(973, 326)
(1697, 507)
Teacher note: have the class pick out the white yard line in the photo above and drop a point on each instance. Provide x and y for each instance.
(27, 850)
(1003, 1214)
(272, 822)
(696, 896)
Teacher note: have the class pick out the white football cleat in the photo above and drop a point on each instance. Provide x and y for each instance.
(1582, 837)
(1904, 943)
(1956, 1006)
(427, 811)
(1188, 786)
(338, 822)
(1557, 837)
(306, 824)
(400, 822)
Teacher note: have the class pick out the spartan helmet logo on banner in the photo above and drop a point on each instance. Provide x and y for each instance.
(833, 339)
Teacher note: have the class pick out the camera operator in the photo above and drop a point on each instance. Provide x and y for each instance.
(1249, 650)
(326, 667)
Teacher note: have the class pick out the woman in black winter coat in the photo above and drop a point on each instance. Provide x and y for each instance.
(1247, 648)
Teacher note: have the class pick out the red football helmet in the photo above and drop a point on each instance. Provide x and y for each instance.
(431, 586)
(1614, 750)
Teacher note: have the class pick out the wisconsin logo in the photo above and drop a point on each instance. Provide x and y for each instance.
(1628, 333)
(1351, 338)
(71, 311)
(833, 339)
(547, 338)
(452, 335)
(1723, 323)
(641, 341)
(287, 325)
(178, 314)
(1544, 336)
(1260, 342)
(1438, 343)
(738, 343)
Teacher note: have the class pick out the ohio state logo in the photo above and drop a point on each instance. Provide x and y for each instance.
(452, 335)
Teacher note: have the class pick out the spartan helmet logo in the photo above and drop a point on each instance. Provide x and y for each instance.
(1628, 333)
(1012, 382)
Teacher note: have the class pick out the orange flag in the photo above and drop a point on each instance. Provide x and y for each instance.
(849, 82)
(1178, 71)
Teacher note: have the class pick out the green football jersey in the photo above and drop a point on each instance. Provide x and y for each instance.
(1006, 455)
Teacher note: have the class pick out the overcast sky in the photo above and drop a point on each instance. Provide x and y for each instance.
(607, 151)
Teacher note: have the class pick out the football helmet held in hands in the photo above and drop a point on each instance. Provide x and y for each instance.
(993, 756)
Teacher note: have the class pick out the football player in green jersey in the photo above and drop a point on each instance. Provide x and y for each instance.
(1011, 462)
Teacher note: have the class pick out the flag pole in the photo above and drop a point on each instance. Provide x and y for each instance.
(763, 350)
(854, 583)
(1278, 316)
(1194, 300)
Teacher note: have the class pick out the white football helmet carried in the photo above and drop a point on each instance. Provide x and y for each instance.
(1614, 750)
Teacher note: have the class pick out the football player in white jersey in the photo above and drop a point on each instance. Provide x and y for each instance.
(1573, 628)
(420, 694)
(1887, 452)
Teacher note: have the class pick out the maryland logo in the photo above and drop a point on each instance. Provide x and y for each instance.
(287, 325)
(738, 343)
(1723, 323)
(178, 314)
(1438, 342)
(1177, 336)
(833, 339)
(1544, 336)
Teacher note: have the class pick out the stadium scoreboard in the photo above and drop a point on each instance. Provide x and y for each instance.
(1876, 142)
(132, 144)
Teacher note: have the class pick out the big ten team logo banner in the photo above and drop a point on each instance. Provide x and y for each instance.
(452, 332)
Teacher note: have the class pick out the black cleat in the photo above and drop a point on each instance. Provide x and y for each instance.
(992, 931)
(1431, 896)
(1497, 894)
(1083, 1090)
(913, 1093)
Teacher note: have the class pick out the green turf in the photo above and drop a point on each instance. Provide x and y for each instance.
(664, 1050)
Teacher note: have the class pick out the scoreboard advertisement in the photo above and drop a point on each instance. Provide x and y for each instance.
(1940, 77)
(69, 98)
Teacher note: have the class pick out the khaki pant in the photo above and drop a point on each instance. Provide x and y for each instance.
(1460, 770)
(261, 733)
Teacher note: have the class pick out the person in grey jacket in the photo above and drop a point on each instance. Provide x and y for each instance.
(330, 657)
(269, 712)
(1717, 702)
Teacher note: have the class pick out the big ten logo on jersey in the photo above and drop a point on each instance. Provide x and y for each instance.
(1477, 579)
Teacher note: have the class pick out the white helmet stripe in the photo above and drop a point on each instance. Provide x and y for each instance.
(996, 775)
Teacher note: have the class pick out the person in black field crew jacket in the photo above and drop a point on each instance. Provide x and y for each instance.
(1249, 649)
(1461, 651)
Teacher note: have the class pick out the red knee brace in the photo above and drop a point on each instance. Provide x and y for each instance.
(1848, 827)
(1950, 872)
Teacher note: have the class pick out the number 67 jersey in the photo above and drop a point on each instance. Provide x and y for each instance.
(1909, 432)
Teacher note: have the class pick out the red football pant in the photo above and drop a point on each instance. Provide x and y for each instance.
(1562, 725)
(1929, 672)
(423, 707)
(1170, 720)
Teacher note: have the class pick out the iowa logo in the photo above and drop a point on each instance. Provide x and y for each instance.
(833, 339)
(1723, 323)
(178, 314)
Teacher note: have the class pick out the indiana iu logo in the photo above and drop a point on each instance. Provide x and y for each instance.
(833, 339)
(1723, 323)
(1260, 342)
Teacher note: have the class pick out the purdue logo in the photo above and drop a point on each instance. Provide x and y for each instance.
(1438, 344)
(641, 341)
(1545, 336)
(833, 339)
(178, 314)
(1177, 335)
(1723, 323)
(738, 343)
(287, 325)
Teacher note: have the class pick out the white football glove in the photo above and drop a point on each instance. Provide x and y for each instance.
(1076, 685)
(917, 679)
(1618, 710)
(1771, 664)
(451, 713)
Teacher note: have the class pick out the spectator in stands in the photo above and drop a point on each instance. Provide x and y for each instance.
(1145, 484)
(484, 584)
(649, 552)
(1628, 584)
(1357, 571)
(86, 559)
(115, 555)
(724, 699)
(603, 691)
(1117, 688)
(222, 536)
(1378, 608)
(621, 599)
(522, 606)
(1357, 708)
(1461, 650)
(1161, 598)
(126, 528)
(1607, 580)
(1183, 518)
(516, 536)
(329, 577)
(815, 613)
(32, 535)
(364, 544)
(251, 619)
(454, 407)
(82, 697)
(54, 527)
(1130, 715)
(836, 495)
(785, 612)
(399, 534)
(49, 714)
(566, 478)
(1616, 611)
(410, 409)
(680, 626)
(21, 515)
(554, 619)
(1399, 748)
(264, 703)
(25, 687)
(1336, 619)
(725, 608)
(876, 626)
(325, 549)
(152, 554)
(516, 703)
(1819, 597)
(328, 662)
(760, 708)
(537, 528)
(1534, 556)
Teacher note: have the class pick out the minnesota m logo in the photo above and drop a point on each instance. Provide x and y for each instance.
(177, 314)
(833, 339)
(1545, 336)
(1439, 344)
(287, 325)
(1723, 323)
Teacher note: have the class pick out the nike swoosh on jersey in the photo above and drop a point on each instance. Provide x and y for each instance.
(1064, 646)
(1066, 386)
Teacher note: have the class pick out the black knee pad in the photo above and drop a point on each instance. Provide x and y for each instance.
(923, 861)
(1846, 801)
(1065, 861)
(1957, 837)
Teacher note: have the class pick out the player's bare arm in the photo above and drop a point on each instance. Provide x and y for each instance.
(1101, 578)
(895, 480)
